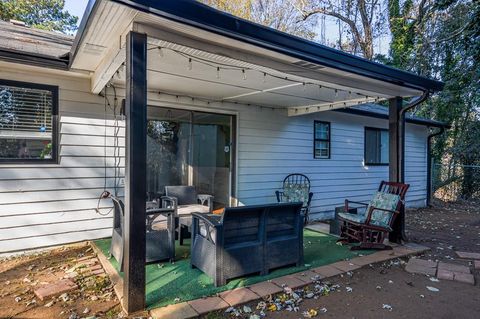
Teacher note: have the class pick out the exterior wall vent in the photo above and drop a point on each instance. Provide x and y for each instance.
(308, 65)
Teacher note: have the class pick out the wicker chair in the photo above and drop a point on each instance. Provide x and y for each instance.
(284, 239)
(296, 187)
(160, 238)
(184, 200)
(237, 243)
(371, 227)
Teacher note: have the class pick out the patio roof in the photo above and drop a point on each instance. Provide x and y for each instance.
(200, 16)
(218, 57)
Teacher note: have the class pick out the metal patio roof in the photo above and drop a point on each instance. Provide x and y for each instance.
(206, 18)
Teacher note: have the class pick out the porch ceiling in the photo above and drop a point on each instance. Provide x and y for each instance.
(189, 61)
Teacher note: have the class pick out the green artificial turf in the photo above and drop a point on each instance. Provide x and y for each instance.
(167, 281)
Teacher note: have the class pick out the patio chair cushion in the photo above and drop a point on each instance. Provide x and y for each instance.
(385, 201)
(159, 223)
(356, 218)
(189, 209)
(202, 229)
(294, 192)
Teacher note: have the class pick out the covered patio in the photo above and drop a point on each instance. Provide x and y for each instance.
(184, 55)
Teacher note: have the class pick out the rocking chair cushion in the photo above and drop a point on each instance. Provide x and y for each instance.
(296, 193)
(356, 218)
(384, 201)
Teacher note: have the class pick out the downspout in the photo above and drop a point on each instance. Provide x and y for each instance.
(401, 236)
(404, 110)
(414, 103)
(429, 163)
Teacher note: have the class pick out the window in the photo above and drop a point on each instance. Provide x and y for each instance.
(28, 122)
(376, 146)
(321, 141)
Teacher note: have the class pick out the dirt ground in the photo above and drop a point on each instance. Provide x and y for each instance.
(21, 275)
(445, 228)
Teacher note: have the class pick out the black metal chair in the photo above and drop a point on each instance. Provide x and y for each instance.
(160, 233)
(246, 240)
(296, 188)
(184, 200)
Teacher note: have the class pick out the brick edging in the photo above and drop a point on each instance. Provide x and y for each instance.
(231, 298)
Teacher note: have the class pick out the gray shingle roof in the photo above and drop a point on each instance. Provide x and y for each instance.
(34, 41)
(376, 110)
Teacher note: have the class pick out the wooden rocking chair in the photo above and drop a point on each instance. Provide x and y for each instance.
(372, 227)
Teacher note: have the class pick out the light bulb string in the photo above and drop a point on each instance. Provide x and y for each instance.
(218, 66)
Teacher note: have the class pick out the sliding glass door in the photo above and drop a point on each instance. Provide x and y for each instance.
(190, 148)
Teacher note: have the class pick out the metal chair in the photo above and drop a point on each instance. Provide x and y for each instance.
(296, 188)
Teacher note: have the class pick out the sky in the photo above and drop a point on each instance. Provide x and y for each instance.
(77, 8)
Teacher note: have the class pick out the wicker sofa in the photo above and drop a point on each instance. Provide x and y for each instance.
(246, 240)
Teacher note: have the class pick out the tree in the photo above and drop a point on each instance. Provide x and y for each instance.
(41, 14)
(364, 20)
(277, 14)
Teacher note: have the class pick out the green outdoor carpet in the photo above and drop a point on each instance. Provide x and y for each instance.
(165, 281)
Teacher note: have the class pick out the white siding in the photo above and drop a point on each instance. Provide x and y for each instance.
(42, 205)
(274, 145)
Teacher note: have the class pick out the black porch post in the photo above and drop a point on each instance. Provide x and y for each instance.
(396, 126)
(135, 185)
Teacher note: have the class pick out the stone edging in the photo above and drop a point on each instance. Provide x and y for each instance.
(238, 296)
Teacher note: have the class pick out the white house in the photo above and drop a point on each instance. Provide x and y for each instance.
(231, 119)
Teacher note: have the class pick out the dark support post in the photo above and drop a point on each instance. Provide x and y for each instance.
(135, 175)
(396, 125)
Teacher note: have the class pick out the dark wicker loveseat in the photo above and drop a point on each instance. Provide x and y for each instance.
(246, 240)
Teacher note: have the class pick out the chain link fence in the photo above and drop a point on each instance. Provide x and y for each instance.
(452, 182)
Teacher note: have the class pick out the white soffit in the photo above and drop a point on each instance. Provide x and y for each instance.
(197, 63)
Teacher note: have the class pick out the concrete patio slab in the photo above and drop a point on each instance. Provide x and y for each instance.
(445, 274)
(238, 296)
(416, 247)
(308, 276)
(401, 251)
(421, 266)
(265, 288)
(209, 304)
(327, 271)
(178, 311)
(345, 265)
(320, 227)
(453, 267)
(463, 277)
(468, 255)
(368, 259)
(289, 281)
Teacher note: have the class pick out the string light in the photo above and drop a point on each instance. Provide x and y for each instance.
(219, 66)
